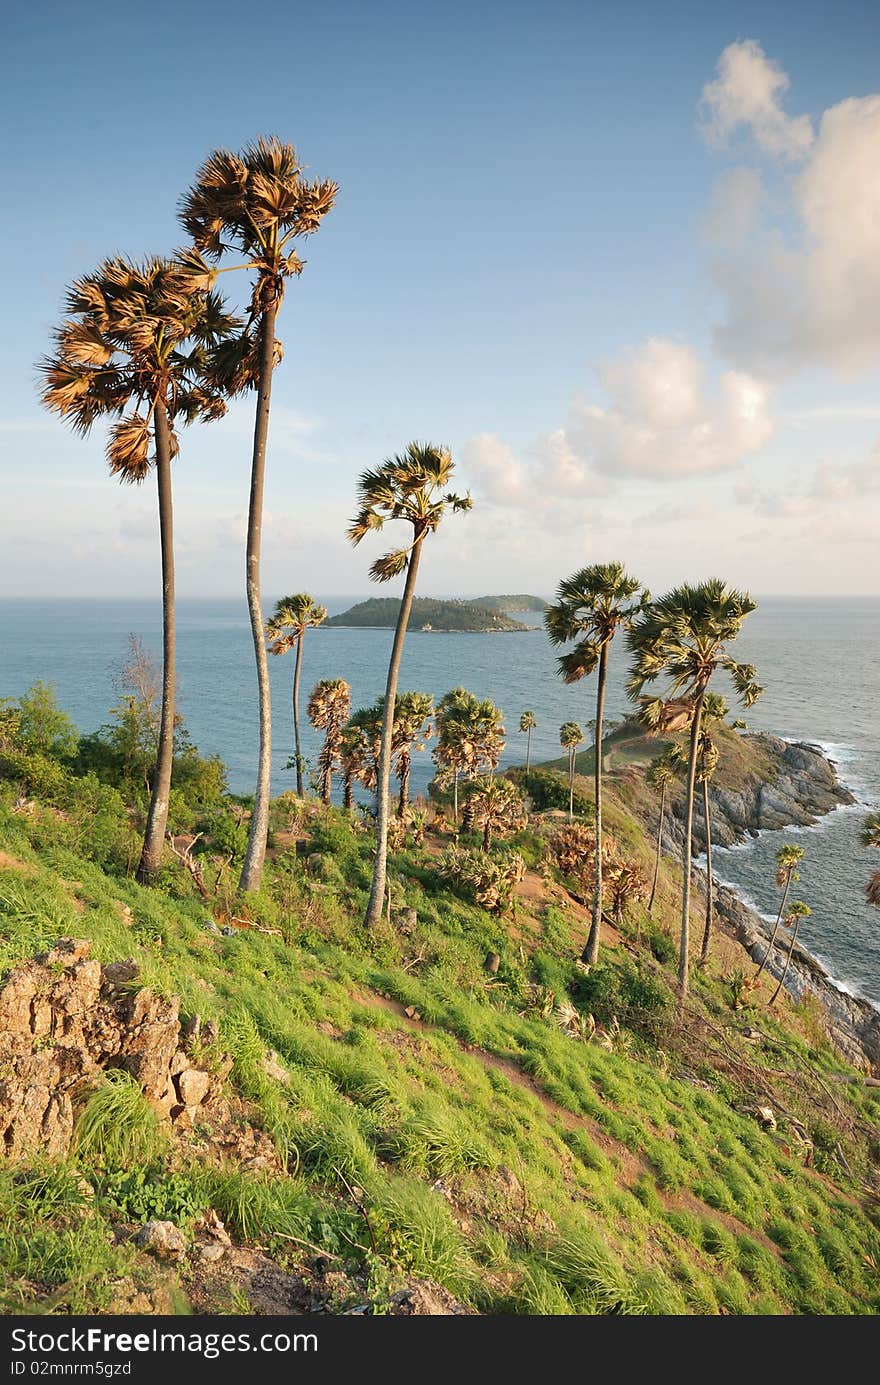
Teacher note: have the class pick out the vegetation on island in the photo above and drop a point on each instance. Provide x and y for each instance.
(431, 613)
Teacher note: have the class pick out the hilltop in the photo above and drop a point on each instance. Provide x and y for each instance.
(483, 615)
(330, 1120)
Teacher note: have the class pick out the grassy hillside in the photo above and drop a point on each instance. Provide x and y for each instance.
(430, 1119)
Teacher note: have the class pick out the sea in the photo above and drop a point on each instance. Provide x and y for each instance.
(818, 660)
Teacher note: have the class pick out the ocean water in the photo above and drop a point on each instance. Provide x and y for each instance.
(817, 659)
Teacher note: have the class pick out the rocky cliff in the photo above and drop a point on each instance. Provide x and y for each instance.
(853, 1025)
(801, 785)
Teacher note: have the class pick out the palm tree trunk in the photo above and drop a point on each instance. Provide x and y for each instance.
(380, 864)
(347, 792)
(326, 762)
(157, 815)
(403, 796)
(455, 795)
(467, 816)
(707, 931)
(773, 998)
(775, 926)
(684, 946)
(591, 951)
(528, 749)
(659, 845)
(487, 836)
(570, 783)
(298, 754)
(252, 869)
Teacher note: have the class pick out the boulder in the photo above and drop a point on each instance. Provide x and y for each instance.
(162, 1239)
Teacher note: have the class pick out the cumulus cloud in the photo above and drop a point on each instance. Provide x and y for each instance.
(800, 286)
(829, 486)
(747, 95)
(661, 420)
(664, 421)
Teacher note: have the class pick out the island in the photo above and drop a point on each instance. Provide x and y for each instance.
(480, 616)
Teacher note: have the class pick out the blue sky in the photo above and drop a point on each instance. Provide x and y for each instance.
(644, 317)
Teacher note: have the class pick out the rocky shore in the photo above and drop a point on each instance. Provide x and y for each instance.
(801, 786)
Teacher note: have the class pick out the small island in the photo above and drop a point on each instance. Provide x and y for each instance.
(481, 616)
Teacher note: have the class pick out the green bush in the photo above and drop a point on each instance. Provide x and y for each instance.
(549, 789)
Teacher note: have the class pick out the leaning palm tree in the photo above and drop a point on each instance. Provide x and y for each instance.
(527, 723)
(788, 858)
(570, 737)
(590, 608)
(286, 630)
(328, 711)
(659, 775)
(870, 836)
(796, 911)
(409, 487)
(684, 637)
(133, 347)
(255, 203)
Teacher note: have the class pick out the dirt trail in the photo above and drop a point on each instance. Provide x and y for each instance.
(630, 1166)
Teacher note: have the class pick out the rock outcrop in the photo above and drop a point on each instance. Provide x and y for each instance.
(853, 1025)
(802, 787)
(65, 1019)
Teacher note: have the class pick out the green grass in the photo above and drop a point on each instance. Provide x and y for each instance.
(600, 1182)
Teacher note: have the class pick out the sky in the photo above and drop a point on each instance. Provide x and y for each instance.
(622, 258)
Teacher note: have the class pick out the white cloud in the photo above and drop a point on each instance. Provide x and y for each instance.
(663, 421)
(800, 277)
(735, 208)
(748, 95)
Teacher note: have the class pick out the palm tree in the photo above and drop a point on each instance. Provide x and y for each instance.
(286, 629)
(590, 607)
(256, 203)
(796, 911)
(133, 347)
(659, 775)
(470, 739)
(788, 858)
(408, 487)
(570, 737)
(412, 728)
(498, 807)
(354, 761)
(328, 711)
(684, 636)
(528, 723)
(870, 836)
(715, 710)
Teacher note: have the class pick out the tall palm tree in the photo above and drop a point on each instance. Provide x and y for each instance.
(715, 710)
(328, 711)
(470, 739)
(788, 858)
(254, 203)
(527, 723)
(412, 728)
(570, 737)
(870, 836)
(286, 630)
(659, 775)
(133, 347)
(590, 607)
(796, 911)
(684, 637)
(409, 487)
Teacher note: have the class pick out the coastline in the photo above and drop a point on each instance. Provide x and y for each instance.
(853, 1020)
